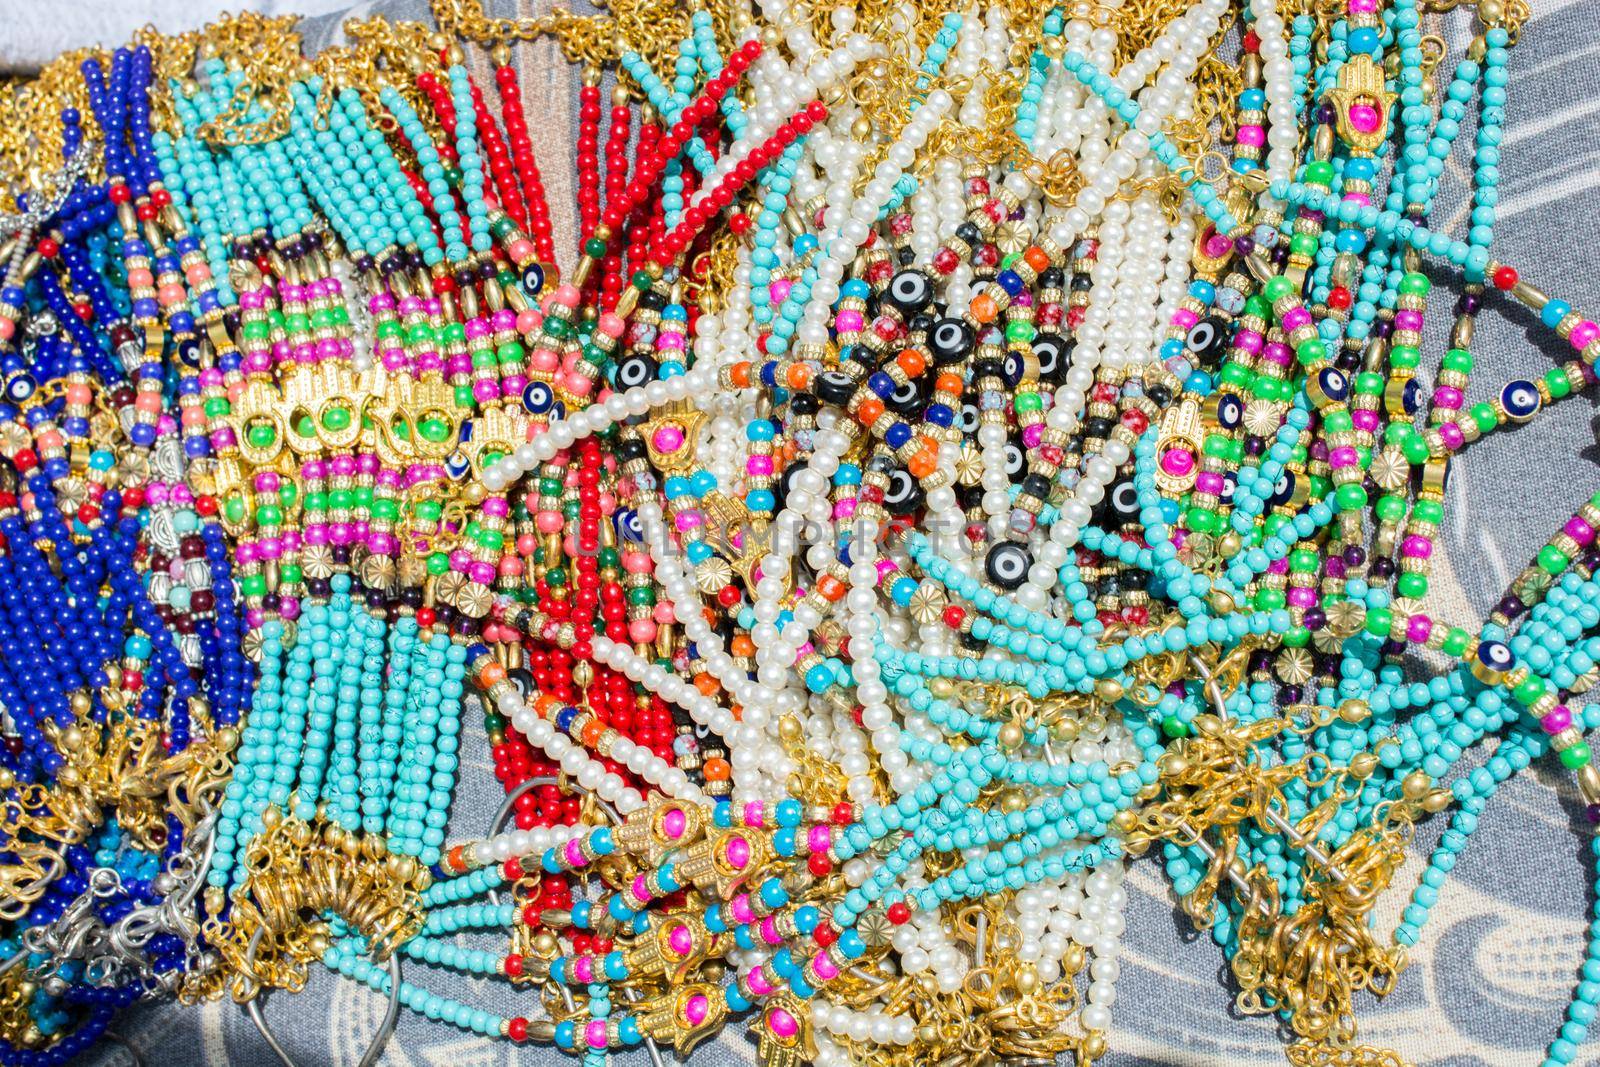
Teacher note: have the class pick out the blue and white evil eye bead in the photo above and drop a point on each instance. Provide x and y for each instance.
(629, 528)
(1521, 400)
(457, 465)
(19, 387)
(1494, 659)
(1328, 386)
(537, 397)
(532, 279)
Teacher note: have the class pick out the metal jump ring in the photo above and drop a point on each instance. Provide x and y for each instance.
(253, 1008)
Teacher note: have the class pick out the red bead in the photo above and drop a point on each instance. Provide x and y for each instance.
(48, 248)
(517, 1029)
(1339, 297)
(426, 617)
(824, 935)
(819, 864)
(160, 197)
(740, 222)
(954, 616)
(899, 913)
(120, 194)
(844, 813)
(512, 870)
(1505, 278)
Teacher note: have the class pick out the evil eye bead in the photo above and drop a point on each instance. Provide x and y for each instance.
(1492, 661)
(456, 465)
(537, 397)
(910, 398)
(532, 279)
(1053, 354)
(903, 493)
(910, 291)
(1402, 397)
(1226, 409)
(1328, 386)
(19, 387)
(1016, 366)
(1521, 400)
(629, 528)
(1207, 338)
(1123, 503)
(969, 420)
(1007, 564)
(1016, 461)
(950, 341)
(1283, 490)
(834, 387)
(636, 371)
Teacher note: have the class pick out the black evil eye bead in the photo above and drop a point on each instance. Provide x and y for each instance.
(1053, 354)
(1007, 564)
(1016, 461)
(635, 371)
(950, 341)
(537, 397)
(1207, 338)
(1521, 400)
(969, 420)
(903, 493)
(532, 279)
(1328, 386)
(628, 526)
(834, 387)
(910, 291)
(910, 398)
(1124, 502)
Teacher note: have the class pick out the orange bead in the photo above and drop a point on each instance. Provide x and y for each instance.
(492, 674)
(982, 308)
(1036, 259)
(830, 587)
(742, 646)
(869, 411)
(799, 376)
(706, 683)
(923, 463)
(716, 769)
(911, 362)
(546, 705)
(591, 732)
(949, 383)
(739, 373)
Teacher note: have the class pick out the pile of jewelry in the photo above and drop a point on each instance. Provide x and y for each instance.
(958, 454)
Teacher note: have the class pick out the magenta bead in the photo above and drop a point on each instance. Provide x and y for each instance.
(782, 1023)
(1558, 719)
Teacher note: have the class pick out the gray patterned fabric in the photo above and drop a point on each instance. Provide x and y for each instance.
(1499, 959)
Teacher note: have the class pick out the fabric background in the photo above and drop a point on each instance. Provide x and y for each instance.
(1499, 959)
